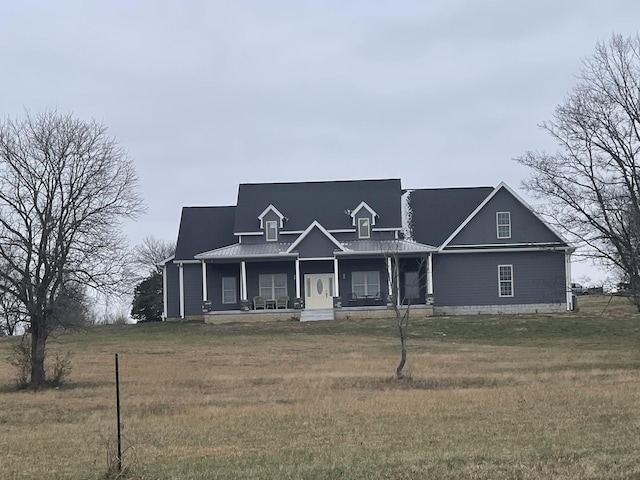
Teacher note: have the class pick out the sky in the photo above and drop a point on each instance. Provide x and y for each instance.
(205, 95)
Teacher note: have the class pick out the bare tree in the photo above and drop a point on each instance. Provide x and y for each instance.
(148, 255)
(591, 184)
(401, 308)
(65, 189)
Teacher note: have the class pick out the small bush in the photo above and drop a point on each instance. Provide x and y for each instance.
(20, 358)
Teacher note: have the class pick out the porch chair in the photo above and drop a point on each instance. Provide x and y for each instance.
(353, 299)
(282, 302)
(259, 303)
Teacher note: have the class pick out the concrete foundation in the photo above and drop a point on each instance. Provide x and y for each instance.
(500, 309)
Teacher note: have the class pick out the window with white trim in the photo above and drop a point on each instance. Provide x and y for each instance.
(503, 224)
(271, 230)
(364, 227)
(273, 286)
(505, 280)
(229, 290)
(365, 284)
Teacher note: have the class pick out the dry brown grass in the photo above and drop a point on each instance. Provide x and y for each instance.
(536, 397)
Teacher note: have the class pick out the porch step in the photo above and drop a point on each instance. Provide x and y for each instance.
(314, 315)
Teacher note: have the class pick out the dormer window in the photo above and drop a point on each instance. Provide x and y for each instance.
(503, 224)
(364, 227)
(271, 230)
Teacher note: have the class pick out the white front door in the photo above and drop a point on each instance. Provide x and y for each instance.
(318, 289)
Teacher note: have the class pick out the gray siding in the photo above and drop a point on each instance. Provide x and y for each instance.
(525, 226)
(316, 245)
(347, 267)
(173, 291)
(192, 288)
(472, 279)
(255, 269)
(215, 272)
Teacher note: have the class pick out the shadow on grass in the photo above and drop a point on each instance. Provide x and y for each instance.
(409, 383)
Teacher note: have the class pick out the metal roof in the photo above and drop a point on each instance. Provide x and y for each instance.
(245, 250)
(384, 247)
(204, 228)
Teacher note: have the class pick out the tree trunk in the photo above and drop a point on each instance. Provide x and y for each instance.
(403, 355)
(38, 339)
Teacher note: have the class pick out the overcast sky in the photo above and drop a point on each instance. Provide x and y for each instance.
(205, 95)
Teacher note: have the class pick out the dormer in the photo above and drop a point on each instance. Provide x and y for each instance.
(363, 218)
(271, 221)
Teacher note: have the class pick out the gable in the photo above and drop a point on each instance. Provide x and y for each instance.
(315, 244)
(330, 203)
(526, 226)
(203, 229)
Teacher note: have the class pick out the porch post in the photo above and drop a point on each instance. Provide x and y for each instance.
(243, 280)
(390, 277)
(430, 274)
(204, 281)
(165, 298)
(181, 279)
(297, 278)
(336, 288)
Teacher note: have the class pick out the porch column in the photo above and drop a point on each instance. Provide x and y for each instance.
(398, 300)
(336, 283)
(181, 281)
(204, 281)
(567, 269)
(390, 277)
(165, 298)
(297, 278)
(243, 280)
(430, 274)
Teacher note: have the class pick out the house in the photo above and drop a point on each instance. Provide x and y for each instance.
(342, 247)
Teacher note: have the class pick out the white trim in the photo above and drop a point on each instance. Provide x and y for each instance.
(498, 225)
(181, 288)
(486, 200)
(204, 281)
(510, 266)
(297, 278)
(291, 232)
(313, 225)
(237, 234)
(274, 210)
(165, 294)
(386, 229)
(243, 280)
(336, 283)
(343, 230)
(364, 205)
(165, 261)
(313, 259)
(180, 262)
(503, 250)
(504, 245)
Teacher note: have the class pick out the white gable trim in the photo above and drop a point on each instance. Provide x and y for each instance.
(360, 207)
(313, 225)
(487, 200)
(273, 209)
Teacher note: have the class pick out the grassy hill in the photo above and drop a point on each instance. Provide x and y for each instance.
(487, 397)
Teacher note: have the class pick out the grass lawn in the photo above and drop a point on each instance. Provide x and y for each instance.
(487, 397)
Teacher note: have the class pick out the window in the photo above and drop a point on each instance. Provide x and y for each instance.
(229, 290)
(411, 285)
(503, 221)
(364, 228)
(271, 230)
(273, 286)
(505, 280)
(365, 284)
